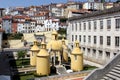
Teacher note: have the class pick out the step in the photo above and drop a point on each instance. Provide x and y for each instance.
(116, 71)
(103, 79)
(118, 65)
(112, 77)
(115, 74)
(106, 78)
(117, 68)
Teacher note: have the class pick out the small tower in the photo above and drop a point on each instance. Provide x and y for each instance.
(43, 65)
(65, 49)
(34, 51)
(76, 58)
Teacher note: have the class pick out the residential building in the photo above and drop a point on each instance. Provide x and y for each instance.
(20, 27)
(108, 5)
(7, 24)
(40, 28)
(40, 17)
(51, 24)
(14, 26)
(98, 34)
(73, 13)
(72, 6)
(58, 10)
(2, 12)
(93, 6)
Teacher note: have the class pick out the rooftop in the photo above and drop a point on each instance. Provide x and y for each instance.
(97, 13)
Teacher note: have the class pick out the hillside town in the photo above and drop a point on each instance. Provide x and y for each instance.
(61, 41)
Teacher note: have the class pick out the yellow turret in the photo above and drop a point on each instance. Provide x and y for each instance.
(34, 51)
(43, 66)
(65, 49)
(76, 58)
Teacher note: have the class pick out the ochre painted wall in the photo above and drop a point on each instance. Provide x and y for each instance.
(43, 66)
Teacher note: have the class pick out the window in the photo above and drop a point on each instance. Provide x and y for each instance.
(101, 24)
(75, 37)
(88, 50)
(80, 38)
(72, 37)
(76, 26)
(108, 40)
(117, 41)
(80, 26)
(95, 40)
(94, 52)
(84, 38)
(117, 23)
(101, 40)
(89, 39)
(100, 53)
(72, 27)
(95, 25)
(84, 26)
(108, 54)
(89, 25)
(108, 24)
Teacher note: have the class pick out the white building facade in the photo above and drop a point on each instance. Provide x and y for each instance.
(98, 34)
(93, 5)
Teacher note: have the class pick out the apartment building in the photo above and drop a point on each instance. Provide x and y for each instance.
(98, 34)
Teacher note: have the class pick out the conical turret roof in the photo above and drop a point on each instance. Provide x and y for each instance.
(43, 51)
(35, 47)
(76, 49)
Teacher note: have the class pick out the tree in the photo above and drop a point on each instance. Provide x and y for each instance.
(62, 31)
(21, 54)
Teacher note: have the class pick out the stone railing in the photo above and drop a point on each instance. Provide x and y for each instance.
(99, 73)
(98, 60)
(65, 76)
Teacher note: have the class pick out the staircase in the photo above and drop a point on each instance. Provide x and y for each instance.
(61, 70)
(111, 71)
(113, 74)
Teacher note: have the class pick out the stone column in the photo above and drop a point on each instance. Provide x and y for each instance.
(111, 54)
(97, 54)
(103, 56)
(54, 57)
(59, 58)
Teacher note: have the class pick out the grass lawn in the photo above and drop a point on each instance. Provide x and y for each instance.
(25, 77)
(88, 67)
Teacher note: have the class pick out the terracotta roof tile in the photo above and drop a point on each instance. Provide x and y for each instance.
(7, 17)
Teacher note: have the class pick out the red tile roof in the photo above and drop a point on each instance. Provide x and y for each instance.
(20, 17)
(80, 11)
(7, 17)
